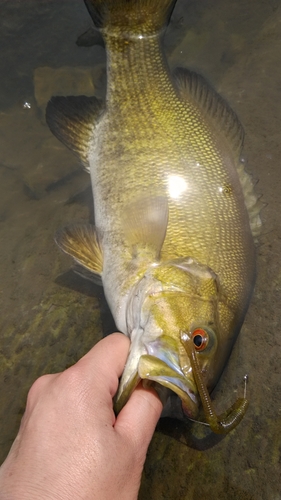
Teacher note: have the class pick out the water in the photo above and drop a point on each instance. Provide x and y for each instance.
(49, 317)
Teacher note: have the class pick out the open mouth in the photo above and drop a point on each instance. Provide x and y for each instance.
(162, 365)
(175, 365)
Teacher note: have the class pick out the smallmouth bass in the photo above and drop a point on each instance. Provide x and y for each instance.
(175, 212)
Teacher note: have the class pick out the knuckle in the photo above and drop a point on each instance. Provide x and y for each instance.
(37, 388)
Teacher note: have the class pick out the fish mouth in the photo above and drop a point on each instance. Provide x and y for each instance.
(162, 365)
(174, 365)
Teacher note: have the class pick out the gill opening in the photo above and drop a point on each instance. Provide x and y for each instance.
(220, 424)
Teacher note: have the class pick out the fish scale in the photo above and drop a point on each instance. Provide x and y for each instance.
(174, 209)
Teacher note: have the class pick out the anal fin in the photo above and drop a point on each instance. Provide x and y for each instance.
(81, 242)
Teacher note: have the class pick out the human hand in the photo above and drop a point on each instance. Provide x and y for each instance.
(70, 445)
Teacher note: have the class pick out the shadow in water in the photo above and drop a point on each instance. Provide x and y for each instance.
(192, 434)
(70, 279)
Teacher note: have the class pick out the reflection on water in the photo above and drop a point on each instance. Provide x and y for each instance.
(49, 317)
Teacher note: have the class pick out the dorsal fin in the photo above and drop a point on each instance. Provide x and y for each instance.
(194, 87)
(81, 242)
(145, 223)
(73, 120)
(223, 120)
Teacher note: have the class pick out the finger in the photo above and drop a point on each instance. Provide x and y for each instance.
(40, 386)
(138, 419)
(104, 363)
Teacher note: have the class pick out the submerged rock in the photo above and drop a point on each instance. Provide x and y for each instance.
(67, 80)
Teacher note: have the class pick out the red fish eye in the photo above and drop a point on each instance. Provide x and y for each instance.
(200, 339)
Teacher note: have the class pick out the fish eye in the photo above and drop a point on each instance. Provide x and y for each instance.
(200, 339)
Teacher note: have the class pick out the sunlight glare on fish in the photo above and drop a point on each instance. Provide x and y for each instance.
(176, 185)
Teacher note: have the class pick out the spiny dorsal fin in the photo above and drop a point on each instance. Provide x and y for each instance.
(73, 120)
(81, 242)
(194, 87)
(224, 121)
(145, 223)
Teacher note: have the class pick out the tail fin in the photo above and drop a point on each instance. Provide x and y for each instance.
(130, 16)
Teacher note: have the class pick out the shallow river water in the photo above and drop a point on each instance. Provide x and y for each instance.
(51, 317)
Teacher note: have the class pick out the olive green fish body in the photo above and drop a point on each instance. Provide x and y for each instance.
(159, 152)
(175, 212)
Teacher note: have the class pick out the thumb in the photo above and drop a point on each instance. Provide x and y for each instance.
(138, 419)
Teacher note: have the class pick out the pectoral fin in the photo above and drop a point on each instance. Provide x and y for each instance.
(81, 242)
(145, 223)
(72, 120)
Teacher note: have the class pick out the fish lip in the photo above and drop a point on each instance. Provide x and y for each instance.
(161, 364)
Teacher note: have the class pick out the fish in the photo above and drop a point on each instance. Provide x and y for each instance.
(176, 214)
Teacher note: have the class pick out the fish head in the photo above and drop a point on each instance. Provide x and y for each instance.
(177, 303)
(186, 308)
